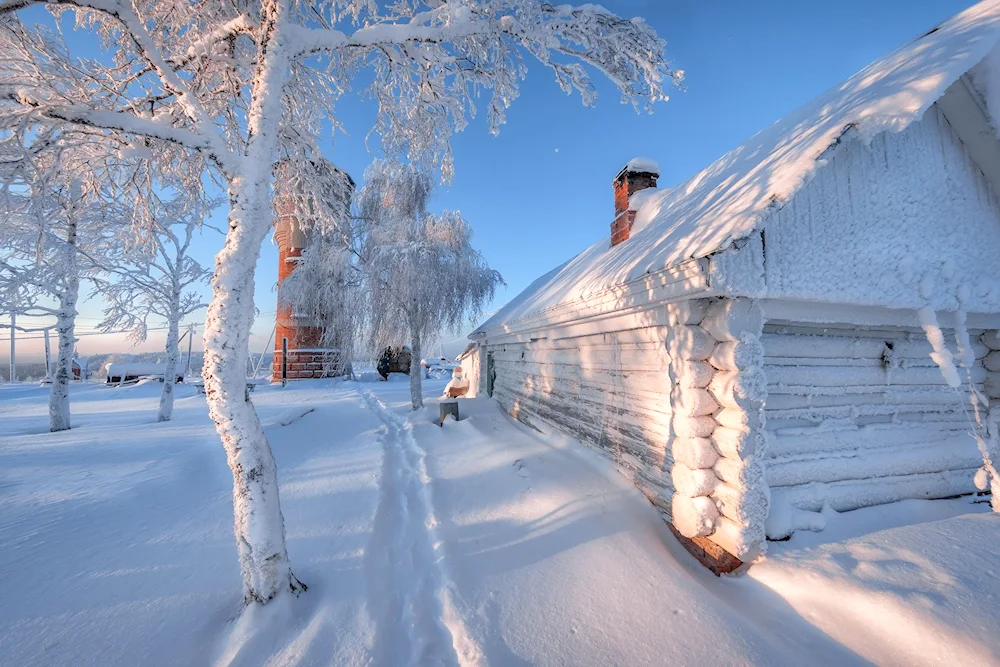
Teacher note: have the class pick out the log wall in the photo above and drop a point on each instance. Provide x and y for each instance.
(606, 390)
(862, 416)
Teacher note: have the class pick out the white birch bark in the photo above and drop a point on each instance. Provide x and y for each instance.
(259, 524)
(170, 371)
(416, 371)
(59, 414)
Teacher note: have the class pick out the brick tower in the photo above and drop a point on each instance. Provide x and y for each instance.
(306, 356)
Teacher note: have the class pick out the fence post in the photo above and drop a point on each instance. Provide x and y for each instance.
(284, 361)
(13, 355)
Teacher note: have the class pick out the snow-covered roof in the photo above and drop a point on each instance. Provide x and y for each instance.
(729, 200)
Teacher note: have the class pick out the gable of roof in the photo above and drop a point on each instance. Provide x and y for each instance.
(729, 199)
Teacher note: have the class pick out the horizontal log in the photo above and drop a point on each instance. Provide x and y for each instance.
(777, 346)
(649, 387)
(874, 436)
(695, 403)
(691, 311)
(824, 376)
(952, 454)
(821, 414)
(743, 505)
(623, 359)
(689, 342)
(884, 333)
(693, 427)
(845, 362)
(850, 390)
(731, 319)
(744, 542)
(990, 339)
(738, 419)
(694, 452)
(849, 495)
(687, 373)
(612, 438)
(738, 444)
(743, 390)
(740, 474)
(992, 361)
(694, 517)
(992, 385)
(652, 335)
(692, 483)
(741, 355)
(905, 395)
(631, 406)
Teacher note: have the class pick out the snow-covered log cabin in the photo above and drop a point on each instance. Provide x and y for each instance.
(763, 343)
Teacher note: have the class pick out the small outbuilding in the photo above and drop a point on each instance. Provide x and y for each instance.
(798, 328)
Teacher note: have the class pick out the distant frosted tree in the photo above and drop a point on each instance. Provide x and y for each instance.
(245, 83)
(422, 273)
(56, 222)
(155, 274)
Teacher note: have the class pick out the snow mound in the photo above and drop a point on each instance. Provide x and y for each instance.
(729, 199)
(917, 595)
(643, 165)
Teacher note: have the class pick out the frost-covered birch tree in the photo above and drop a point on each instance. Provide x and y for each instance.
(156, 276)
(422, 273)
(246, 83)
(56, 220)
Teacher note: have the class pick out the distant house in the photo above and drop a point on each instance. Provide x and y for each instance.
(751, 345)
(79, 369)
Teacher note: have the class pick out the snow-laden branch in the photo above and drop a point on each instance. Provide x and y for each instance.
(126, 122)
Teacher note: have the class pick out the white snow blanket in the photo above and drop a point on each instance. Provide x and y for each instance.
(731, 198)
(898, 594)
(479, 543)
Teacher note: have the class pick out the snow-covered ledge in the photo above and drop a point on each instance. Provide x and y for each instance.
(718, 389)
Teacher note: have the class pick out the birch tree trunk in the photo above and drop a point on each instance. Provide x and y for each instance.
(170, 372)
(59, 417)
(416, 371)
(258, 523)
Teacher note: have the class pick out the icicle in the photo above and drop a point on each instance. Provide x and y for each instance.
(941, 355)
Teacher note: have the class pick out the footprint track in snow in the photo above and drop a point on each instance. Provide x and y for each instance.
(409, 589)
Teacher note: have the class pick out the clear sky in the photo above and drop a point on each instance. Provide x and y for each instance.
(540, 192)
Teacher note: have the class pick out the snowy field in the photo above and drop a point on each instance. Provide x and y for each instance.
(482, 542)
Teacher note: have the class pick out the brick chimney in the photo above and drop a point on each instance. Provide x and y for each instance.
(638, 174)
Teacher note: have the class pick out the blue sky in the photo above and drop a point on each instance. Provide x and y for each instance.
(540, 192)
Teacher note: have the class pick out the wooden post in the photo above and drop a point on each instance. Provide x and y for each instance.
(48, 358)
(190, 334)
(13, 362)
(284, 361)
(448, 408)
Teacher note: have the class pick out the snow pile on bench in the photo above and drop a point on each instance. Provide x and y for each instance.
(135, 369)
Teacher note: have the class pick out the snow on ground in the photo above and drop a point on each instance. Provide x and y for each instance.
(912, 583)
(480, 542)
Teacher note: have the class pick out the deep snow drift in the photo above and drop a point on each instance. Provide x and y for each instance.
(480, 542)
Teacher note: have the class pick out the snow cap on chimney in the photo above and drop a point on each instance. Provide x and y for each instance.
(640, 173)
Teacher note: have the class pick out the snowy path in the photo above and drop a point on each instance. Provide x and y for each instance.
(480, 543)
(409, 590)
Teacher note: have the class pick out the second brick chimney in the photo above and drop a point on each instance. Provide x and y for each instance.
(638, 174)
